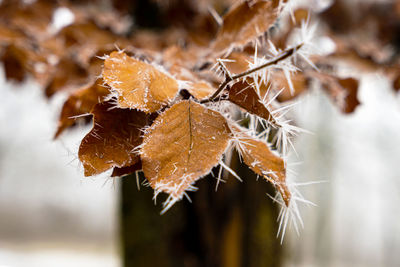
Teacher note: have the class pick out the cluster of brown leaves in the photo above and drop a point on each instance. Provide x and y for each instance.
(158, 106)
(368, 38)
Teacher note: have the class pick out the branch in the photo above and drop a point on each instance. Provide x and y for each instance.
(228, 79)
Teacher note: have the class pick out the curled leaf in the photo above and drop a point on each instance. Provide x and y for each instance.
(126, 170)
(81, 102)
(197, 87)
(244, 22)
(259, 157)
(343, 91)
(138, 84)
(185, 142)
(245, 96)
(115, 134)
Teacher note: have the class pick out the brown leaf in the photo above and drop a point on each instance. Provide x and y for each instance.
(81, 102)
(343, 91)
(258, 156)
(350, 85)
(117, 172)
(33, 18)
(198, 87)
(22, 58)
(238, 62)
(183, 144)
(396, 83)
(175, 55)
(243, 23)
(14, 60)
(138, 84)
(110, 143)
(86, 39)
(339, 17)
(9, 35)
(67, 74)
(245, 96)
(299, 81)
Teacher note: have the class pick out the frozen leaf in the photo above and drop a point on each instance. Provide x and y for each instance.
(175, 55)
(81, 102)
(115, 134)
(197, 87)
(279, 81)
(259, 157)
(138, 84)
(183, 144)
(244, 22)
(245, 96)
(126, 170)
(238, 62)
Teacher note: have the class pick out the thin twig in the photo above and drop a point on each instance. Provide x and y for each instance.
(228, 79)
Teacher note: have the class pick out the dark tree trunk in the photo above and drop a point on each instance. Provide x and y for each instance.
(235, 226)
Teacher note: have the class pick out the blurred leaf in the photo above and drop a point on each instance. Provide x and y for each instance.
(244, 22)
(343, 91)
(81, 102)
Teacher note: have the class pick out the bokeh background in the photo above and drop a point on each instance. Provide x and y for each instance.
(50, 215)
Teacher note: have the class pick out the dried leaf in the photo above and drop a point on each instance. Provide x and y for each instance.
(350, 85)
(243, 23)
(279, 81)
(183, 144)
(67, 74)
(117, 172)
(197, 87)
(343, 91)
(396, 83)
(238, 62)
(14, 60)
(33, 23)
(245, 96)
(81, 102)
(110, 143)
(86, 39)
(258, 156)
(175, 55)
(9, 35)
(138, 84)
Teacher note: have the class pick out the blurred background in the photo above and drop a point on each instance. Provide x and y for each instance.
(50, 215)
